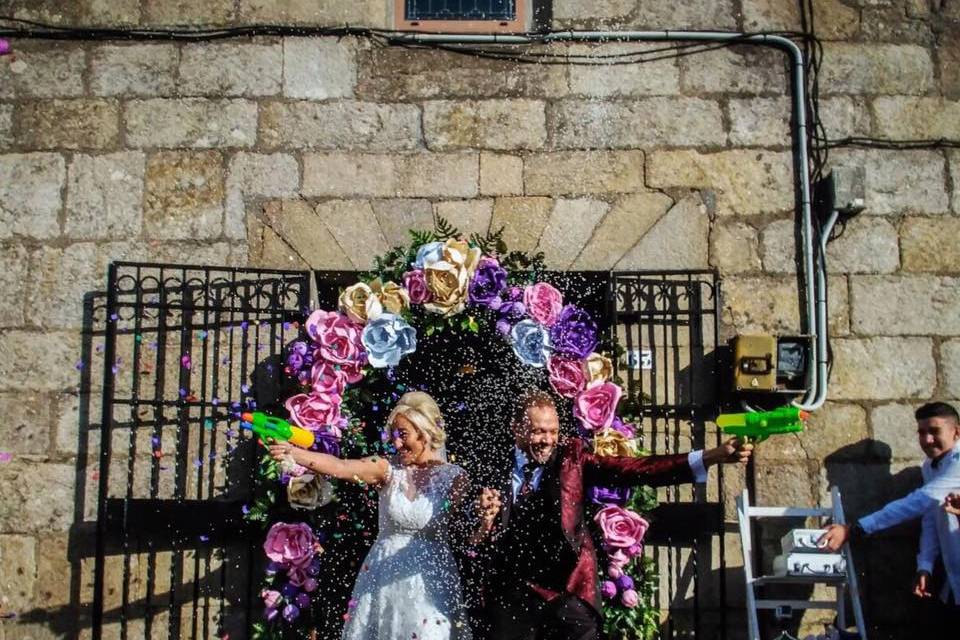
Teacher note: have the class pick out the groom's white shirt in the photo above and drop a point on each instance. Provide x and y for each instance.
(694, 459)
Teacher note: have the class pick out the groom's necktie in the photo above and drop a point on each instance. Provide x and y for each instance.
(526, 487)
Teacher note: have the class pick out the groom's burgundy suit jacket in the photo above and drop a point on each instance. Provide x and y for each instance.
(579, 468)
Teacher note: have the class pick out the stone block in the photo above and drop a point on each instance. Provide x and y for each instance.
(868, 245)
(878, 304)
(369, 13)
(912, 118)
(895, 433)
(583, 172)
(777, 308)
(30, 194)
(834, 20)
(319, 68)
(659, 78)
(948, 60)
(950, 367)
(899, 181)
(53, 569)
(19, 557)
(445, 175)
(678, 240)
(191, 123)
(66, 437)
(954, 160)
(349, 174)
(6, 125)
(231, 69)
(882, 368)
(60, 278)
(68, 124)
(887, 24)
(280, 241)
(396, 217)
(574, 12)
(23, 509)
(184, 195)
(501, 174)
(844, 117)
(658, 121)
(104, 196)
(760, 122)
(739, 70)
(26, 425)
(786, 483)
(570, 226)
(257, 175)
(929, 244)
(746, 182)
(186, 12)
(360, 126)
(523, 221)
(13, 282)
(355, 227)
(148, 70)
(628, 220)
(835, 430)
(886, 69)
(501, 125)
(392, 74)
(469, 216)
(734, 248)
(43, 72)
(696, 14)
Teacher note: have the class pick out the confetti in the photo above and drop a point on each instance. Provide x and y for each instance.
(79, 365)
(5, 456)
(185, 361)
(204, 538)
(208, 424)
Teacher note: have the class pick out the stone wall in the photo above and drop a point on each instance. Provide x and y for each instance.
(320, 152)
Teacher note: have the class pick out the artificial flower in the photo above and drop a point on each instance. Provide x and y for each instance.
(595, 406)
(609, 442)
(387, 339)
(448, 278)
(308, 492)
(359, 303)
(530, 343)
(597, 368)
(290, 545)
(566, 376)
(314, 411)
(393, 298)
(574, 335)
(544, 303)
(489, 280)
(621, 528)
(416, 284)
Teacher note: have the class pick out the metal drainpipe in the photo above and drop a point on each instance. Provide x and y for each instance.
(815, 301)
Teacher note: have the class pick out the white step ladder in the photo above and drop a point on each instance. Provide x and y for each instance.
(842, 583)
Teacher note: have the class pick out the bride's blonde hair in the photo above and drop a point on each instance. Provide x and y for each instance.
(422, 411)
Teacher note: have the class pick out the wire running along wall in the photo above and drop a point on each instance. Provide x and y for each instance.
(186, 347)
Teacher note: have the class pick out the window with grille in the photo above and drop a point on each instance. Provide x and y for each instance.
(481, 16)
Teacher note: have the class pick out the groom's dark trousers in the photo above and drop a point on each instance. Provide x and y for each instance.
(544, 582)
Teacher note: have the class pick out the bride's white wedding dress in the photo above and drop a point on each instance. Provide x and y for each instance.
(408, 586)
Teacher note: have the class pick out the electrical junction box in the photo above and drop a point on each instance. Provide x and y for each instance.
(803, 540)
(770, 364)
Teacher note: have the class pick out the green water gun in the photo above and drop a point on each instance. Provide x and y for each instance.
(757, 426)
(276, 429)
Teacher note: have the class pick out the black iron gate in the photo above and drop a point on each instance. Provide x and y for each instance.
(186, 347)
(183, 346)
(668, 323)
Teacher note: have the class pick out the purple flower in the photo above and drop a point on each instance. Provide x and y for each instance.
(303, 600)
(488, 281)
(326, 443)
(270, 613)
(625, 582)
(628, 430)
(575, 333)
(609, 495)
(608, 589)
(290, 612)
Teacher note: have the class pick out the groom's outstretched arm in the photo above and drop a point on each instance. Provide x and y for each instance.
(661, 470)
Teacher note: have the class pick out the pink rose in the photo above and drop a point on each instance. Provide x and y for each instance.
(297, 576)
(270, 598)
(290, 545)
(621, 528)
(314, 411)
(328, 378)
(566, 376)
(619, 560)
(614, 571)
(543, 303)
(309, 585)
(629, 598)
(416, 283)
(338, 338)
(596, 406)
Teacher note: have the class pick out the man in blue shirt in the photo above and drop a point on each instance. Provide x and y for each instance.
(938, 432)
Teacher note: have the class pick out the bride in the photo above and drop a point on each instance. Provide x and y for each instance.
(408, 586)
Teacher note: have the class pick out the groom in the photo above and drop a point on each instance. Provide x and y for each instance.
(543, 560)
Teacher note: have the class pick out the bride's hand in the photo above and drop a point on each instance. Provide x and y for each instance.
(280, 451)
(488, 506)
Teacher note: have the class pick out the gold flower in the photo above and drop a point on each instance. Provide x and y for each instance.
(449, 278)
(308, 491)
(359, 303)
(611, 442)
(392, 296)
(597, 368)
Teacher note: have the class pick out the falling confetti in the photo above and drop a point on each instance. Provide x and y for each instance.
(5, 456)
(185, 361)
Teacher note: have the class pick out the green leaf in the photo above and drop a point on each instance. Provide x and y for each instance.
(442, 228)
